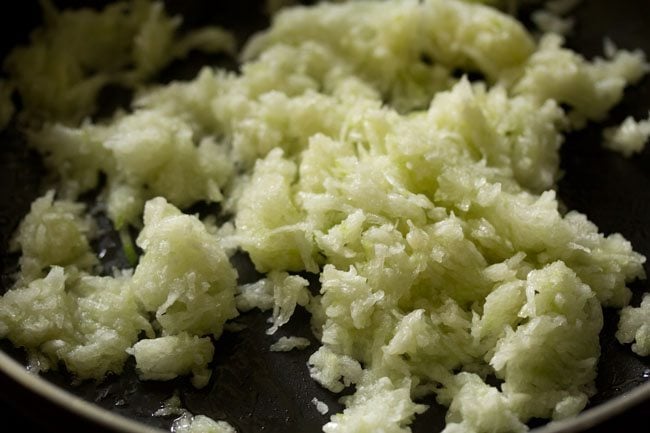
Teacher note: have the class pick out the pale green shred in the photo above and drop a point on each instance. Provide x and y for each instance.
(634, 326)
(128, 247)
(289, 291)
(335, 372)
(629, 137)
(255, 295)
(279, 291)
(346, 147)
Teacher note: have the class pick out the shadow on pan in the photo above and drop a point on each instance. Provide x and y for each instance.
(259, 391)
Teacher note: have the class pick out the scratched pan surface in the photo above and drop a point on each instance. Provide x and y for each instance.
(259, 391)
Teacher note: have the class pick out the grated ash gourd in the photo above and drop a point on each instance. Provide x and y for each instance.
(346, 147)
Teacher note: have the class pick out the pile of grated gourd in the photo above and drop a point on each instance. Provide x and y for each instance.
(346, 146)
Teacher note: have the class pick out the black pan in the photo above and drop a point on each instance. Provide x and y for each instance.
(259, 391)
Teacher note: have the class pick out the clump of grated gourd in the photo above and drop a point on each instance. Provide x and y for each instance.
(144, 154)
(54, 233)
(91, 324)
(380, 406)
(167, 357)
(634, 326)
(440, 241)
(424, 201)
(184, 276)
(59, 76)
(85, 322)
(78, 52)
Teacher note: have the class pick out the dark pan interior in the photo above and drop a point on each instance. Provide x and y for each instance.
(257, 390)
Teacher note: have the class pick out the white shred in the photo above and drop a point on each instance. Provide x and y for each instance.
(286, 344)
(321, 407)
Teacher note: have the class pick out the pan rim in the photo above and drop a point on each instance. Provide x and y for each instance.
(66, 400)
(104, 417)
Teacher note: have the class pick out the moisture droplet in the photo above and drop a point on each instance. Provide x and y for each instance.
(646, 373)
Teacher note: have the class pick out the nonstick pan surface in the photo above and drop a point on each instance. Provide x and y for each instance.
(261, 391)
